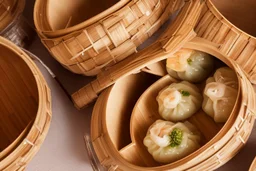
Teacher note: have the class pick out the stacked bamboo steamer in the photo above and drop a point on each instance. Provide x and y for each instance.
(13, 26)
(25, 108)
(200, 26)
(86, 37)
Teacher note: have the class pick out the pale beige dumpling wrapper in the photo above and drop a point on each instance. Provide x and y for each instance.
(190, 65)
(179, 101)
(168, 142)
(220, 94)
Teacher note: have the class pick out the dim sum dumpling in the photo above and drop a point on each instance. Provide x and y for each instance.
(168, 142)
(179, 101)
(190, 65)
(220, 94)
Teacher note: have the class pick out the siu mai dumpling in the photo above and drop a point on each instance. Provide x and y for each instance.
(220, 94)
(168, 142)
(179, 101)
(190, 65)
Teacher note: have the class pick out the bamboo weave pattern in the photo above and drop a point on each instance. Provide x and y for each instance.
(113, 38)
(234, 43)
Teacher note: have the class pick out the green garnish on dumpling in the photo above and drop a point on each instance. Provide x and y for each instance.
(176, 137)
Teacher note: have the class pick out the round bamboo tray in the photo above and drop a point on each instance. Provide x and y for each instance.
(87, 44)
(118, 144)
(198, 20)
(25, 108)
(13, 25)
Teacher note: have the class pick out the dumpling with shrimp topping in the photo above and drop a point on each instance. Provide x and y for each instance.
(179, 101)
(168, 142)
(190, 65)
(220, 94)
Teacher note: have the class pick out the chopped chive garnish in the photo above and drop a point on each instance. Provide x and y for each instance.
(184, 93)
(176, 137)
(189, 61)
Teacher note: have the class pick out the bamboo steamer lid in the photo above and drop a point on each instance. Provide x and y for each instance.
(87, 44)
(25, 108)
(174, 37)
(118, 143)
(198, 20)
(13, 25)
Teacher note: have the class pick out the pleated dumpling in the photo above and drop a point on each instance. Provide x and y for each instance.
(190, 65)
(220, 94)
(168, 142)
(179, 101)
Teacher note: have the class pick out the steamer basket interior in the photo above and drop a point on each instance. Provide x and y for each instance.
(131, 87)
(19, 97)
(69, 13)
(240, 13)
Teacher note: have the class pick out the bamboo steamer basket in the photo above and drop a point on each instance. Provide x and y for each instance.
(87, 41)
(13, 25)
(25, 108)
(118, 143)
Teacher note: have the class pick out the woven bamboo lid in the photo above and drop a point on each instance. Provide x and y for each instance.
(87, 44)
(25, 108)
(199, 20)
(176, 35)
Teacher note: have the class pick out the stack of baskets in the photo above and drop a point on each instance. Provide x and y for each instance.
(86, 41)
(25, 108)
(13, 26)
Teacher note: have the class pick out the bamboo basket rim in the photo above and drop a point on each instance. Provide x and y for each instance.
(253, 165)
(210, 4)
(15, 143)
(18, 8)
(61, 32)
(206, 146)
(40, 123)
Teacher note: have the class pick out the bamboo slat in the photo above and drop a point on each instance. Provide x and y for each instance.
(25, 108)
(91, 46)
